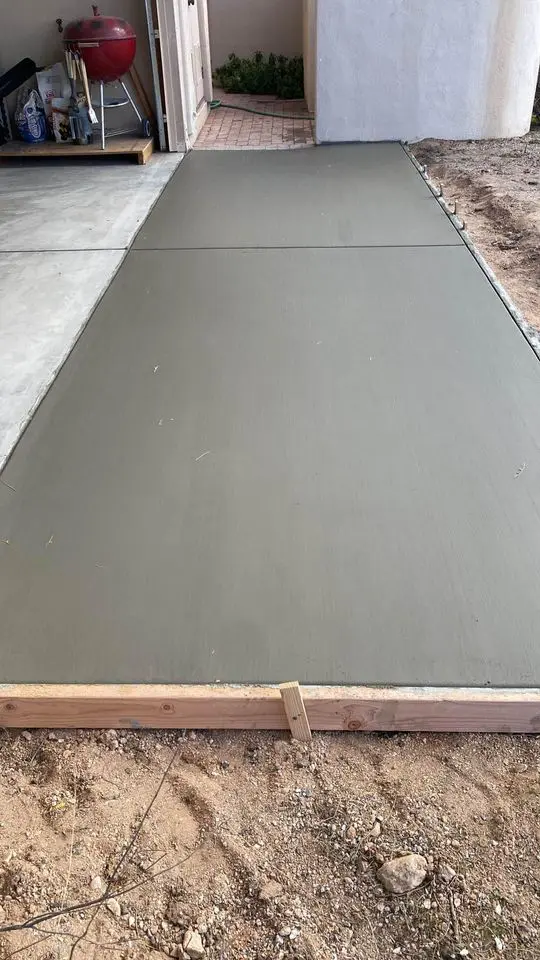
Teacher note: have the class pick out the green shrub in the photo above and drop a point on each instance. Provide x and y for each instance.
(281, 76)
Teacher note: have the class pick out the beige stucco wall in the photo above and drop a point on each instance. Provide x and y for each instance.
(391, 70)
(310, 51)
(244, 26)
(28, 29)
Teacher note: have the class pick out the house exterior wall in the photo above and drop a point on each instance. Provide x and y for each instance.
(310, 51)
(244, 26)
(408, 69)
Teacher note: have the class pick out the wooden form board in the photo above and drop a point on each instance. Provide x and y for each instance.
(138, 147)
(261, 708)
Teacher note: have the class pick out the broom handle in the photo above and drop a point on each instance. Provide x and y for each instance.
(84, 76)
(69, 65)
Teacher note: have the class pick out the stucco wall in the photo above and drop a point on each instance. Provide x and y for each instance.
(244, 26)
(310, 51)
(408, 69)
(28, 29)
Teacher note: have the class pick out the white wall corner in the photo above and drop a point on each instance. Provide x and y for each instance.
(404, 71)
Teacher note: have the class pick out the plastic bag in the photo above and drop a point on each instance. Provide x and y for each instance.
(30, 116)
(52, 84)
(61, 126)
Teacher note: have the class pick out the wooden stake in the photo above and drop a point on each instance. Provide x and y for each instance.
(296, 712)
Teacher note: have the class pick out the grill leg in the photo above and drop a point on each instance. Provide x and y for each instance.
(131, 100)
(102, 110)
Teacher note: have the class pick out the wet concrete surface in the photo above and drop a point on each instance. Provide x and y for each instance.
(270, 464)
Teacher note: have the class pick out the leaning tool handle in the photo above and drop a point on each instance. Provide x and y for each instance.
(84, 77)
(75, 122)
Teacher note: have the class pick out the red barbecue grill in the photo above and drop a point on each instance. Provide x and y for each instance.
(107, 45)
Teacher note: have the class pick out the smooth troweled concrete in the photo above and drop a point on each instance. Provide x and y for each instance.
(265, 464)
(395, 70)
(332, 196)
(269, 463)
(64, 229)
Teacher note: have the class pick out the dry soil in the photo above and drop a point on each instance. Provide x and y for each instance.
(496, 184)
(266, 848)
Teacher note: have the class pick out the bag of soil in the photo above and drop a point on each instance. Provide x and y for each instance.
(30, 116)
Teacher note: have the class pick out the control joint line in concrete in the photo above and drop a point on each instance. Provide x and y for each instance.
(352, 246)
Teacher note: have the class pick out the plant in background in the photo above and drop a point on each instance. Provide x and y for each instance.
(281, 76)
(536, 108)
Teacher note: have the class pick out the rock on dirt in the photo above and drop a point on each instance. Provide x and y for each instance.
(193, 944)
(114, 907)
(270, 890)
(403, 874)
(178, 913)
(446, 872)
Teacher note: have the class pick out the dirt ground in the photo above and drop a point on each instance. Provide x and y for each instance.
(267, 848)
(496, 184)
(257, 848)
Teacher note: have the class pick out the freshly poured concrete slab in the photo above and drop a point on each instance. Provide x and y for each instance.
(262, 465)
(332, 196)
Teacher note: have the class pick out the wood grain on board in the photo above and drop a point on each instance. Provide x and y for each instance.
(261, 708)
(140, 148)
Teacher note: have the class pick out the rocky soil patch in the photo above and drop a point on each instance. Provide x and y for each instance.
(356, 847)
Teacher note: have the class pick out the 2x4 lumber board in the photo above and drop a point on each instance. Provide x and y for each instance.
(295, 710)
(139, 148)
(469, 710)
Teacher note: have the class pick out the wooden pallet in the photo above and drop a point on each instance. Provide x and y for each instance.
(441, 709)
(137, 147)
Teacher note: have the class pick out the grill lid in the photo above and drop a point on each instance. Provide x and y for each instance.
(98, 28)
